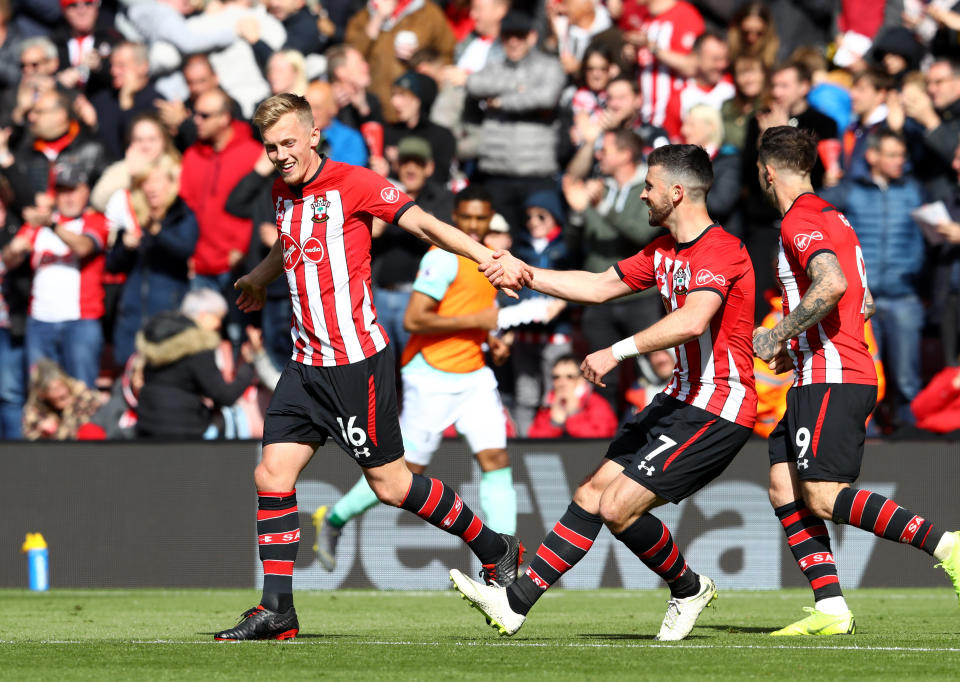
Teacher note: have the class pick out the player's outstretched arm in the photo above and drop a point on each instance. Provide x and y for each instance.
(509, 275)
(253, 285)
(684, 324)
(421, 317)
(827, 286)
(579, 286)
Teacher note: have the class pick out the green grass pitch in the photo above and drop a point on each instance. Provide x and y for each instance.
(606, 634)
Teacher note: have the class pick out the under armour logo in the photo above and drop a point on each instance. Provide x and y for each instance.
(312, 250)
(389, 194)
(706, 277)
(280, 209)
(361, 452)
(646, 469)
(803, 241)
(802, 463)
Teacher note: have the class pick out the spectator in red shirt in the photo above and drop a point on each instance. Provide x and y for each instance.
(223, 154)
(937, 407)
(572, 408)
(65, 247)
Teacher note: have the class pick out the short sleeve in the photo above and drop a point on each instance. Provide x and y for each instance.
(378, 196)
(438, 269)
(687, 29)
(637, 271)
(95, 227)
(804, 238)
(718, 268)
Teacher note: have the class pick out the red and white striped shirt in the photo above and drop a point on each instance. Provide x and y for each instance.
(833, 351)
(65, 287)
(675, 30)
(714, 371)
(324, 227)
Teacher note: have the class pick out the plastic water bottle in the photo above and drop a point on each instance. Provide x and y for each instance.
(38, 561)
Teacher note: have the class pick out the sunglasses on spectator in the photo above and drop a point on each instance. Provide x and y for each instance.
(565, 376)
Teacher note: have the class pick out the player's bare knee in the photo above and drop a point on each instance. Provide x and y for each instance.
(269, 478)
(491, 460)
(614, 513)
(819, 497)
(587, 497)
(388, 491)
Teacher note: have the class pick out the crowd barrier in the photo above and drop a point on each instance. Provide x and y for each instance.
(123, 515)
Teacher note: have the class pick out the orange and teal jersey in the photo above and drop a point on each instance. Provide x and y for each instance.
(460, 289)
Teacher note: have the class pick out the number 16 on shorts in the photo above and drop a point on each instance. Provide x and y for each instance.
(355, 436)
(646, 465)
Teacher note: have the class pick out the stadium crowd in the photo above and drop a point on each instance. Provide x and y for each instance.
(133, 190)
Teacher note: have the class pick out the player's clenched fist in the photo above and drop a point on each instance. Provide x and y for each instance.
(597, 364)
(765, 345)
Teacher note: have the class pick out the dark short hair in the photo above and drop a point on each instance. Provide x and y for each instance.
(473, 192)
(953, 63)
(563, 359)
(688, 164)
(788, 147)
(632, 82)
(803, 72)
(876, 138)
(704, 37)
(626, 139)
(877, 77)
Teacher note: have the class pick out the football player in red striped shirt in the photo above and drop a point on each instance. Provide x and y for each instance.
(691, 431)
(340, 383)
(817, 448)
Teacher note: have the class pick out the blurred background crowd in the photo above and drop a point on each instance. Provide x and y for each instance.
(133, 190)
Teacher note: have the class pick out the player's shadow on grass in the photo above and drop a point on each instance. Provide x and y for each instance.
(618, 635)
(302, 635)
(738, 629)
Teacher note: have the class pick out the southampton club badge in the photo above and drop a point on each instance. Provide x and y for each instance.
(680, 277)
(320, 206)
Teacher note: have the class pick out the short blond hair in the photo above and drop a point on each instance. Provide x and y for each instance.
(276, 107)
(711, 116)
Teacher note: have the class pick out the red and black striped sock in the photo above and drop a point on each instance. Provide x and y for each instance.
(653, 544)
(568, 542)
(884, 518)
(278, 531)
(440, 506)
(810, 545)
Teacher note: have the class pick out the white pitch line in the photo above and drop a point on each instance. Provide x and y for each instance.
(537, 645)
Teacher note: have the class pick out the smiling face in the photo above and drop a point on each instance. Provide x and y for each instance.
(290, 145)
(473, 217)
(657, 195)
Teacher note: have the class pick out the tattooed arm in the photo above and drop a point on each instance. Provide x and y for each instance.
(869, 307)
(827, 286)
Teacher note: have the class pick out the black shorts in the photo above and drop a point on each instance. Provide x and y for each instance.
(354, 404)
(823, 431)
(674, 449)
